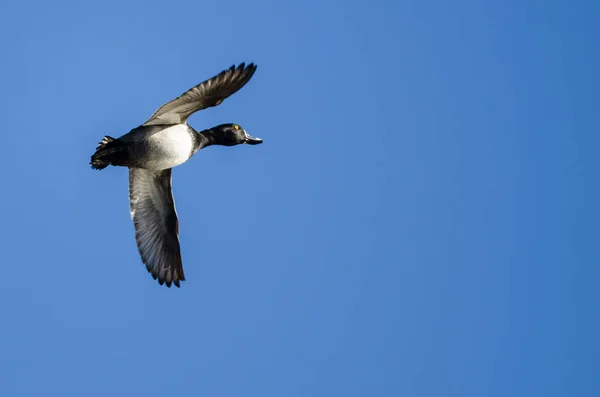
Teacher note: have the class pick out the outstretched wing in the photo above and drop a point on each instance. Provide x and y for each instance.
(206, 94)
(154, 217)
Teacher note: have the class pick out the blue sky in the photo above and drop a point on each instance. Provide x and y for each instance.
(421, 219)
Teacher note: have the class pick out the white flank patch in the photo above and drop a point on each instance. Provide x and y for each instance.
(174, 145)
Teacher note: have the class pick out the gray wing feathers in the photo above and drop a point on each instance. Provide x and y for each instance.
(206, 94)
(156, 226)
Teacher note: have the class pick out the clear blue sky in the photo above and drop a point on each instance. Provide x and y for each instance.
(421, 220)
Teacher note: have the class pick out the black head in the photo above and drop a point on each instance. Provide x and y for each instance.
(233, 134)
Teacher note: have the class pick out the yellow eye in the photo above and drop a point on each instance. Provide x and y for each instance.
(237, 127)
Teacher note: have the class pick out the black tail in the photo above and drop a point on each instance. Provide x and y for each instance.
(109, 151)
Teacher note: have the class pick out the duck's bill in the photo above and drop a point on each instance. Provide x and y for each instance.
(250, 140)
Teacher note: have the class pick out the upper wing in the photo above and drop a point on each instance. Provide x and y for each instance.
(154, 216)
(206, 94)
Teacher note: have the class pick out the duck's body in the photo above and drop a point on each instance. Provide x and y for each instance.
(157, 147)
(151, 150)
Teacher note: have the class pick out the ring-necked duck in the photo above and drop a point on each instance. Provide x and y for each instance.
(151, 150)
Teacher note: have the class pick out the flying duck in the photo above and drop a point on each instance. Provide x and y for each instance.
(151, 150)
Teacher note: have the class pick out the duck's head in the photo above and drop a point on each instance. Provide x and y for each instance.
(233, 134)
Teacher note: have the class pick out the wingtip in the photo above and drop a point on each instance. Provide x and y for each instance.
(167, 281)
(244, 66)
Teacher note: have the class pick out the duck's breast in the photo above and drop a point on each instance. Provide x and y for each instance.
(168, 148)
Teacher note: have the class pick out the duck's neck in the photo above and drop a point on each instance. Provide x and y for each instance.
(206, 138)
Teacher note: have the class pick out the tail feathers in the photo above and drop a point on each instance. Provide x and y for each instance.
(104, 141)
(109, 151)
